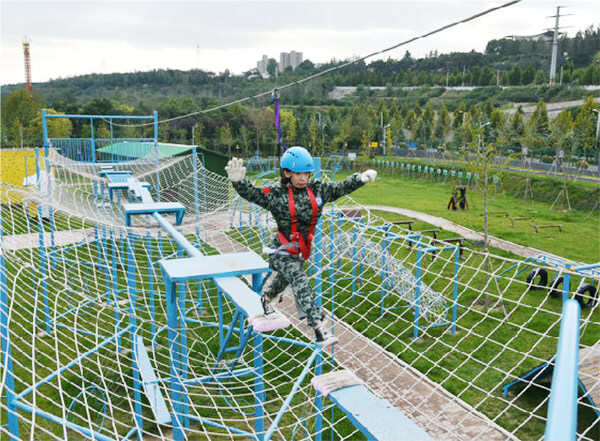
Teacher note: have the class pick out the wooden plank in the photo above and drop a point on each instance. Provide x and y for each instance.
(589, 372)
(116, 175)
(150, 383)
(153, 207)
(376, 418)
(241, 295)
(221, 265)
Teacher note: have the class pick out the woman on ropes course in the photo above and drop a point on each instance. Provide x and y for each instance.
(296, 205)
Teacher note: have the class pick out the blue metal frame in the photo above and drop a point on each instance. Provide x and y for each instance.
(5, 346)
(337, 220)
(562, 407)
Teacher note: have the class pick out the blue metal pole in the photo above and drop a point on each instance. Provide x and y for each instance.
(562, 408)
(291, 395)
(43, 263)
(384, 251)
(150, 254)
(93, 140)
(179, 238)
(417, 294)
(155, 114)
(455, 289)
(259, 386)
(45, 133)
(566, 283)
(354, 261)
(174, 350)
(196, 197)
(13, 422)
(115, 284)
(318, 246)
(319, 401)
(181, 291)
(132, 295)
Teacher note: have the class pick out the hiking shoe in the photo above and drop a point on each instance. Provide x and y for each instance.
(324, 337)
(267, 307)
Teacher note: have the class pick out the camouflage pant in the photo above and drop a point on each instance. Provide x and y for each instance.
(289, 272)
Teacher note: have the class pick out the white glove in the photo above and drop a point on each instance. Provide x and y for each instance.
(235, 169)
(368, 175)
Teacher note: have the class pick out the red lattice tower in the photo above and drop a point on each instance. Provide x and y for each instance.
(27, 65)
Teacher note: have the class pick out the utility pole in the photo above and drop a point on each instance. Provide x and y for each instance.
(597, 132)
(554, 48)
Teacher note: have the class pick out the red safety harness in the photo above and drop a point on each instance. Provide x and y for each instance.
(304, 244)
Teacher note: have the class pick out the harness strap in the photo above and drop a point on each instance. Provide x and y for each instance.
(304, 244)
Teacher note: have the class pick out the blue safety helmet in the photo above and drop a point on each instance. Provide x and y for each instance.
(297, 159)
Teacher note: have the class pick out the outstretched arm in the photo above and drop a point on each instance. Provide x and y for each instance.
(335, 190)
(236, 172)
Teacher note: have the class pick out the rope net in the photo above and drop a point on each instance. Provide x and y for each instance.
(436, 330)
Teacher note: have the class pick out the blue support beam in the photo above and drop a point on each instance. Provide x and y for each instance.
(562, 408)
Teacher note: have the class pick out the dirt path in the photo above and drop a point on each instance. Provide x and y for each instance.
(442, 415)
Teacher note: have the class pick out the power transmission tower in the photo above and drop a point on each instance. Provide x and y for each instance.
(27, 64)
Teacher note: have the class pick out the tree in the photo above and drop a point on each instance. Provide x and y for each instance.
(538, 127)
(313, 131)
(514, 78)
(516, 130)
(364, 142)
(411, 120)
(584, 127)
(288, 126)
(528, 75)
(346, 129)
(272, 67)
(262, 120)
(245, 136)
(497, 122)
(442, 124)
(18, 110)
(458, 116)
(485, 163)
(396, 127)
(225, 137)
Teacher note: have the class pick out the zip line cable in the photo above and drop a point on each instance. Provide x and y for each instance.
(326, 71)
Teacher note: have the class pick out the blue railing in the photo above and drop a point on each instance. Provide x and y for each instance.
(562, 408)
(102, 150)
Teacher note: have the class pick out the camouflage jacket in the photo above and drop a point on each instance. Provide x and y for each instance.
(275, 199)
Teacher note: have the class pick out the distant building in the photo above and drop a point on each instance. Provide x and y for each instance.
(286, 59)
(261, 66)
(291, 59)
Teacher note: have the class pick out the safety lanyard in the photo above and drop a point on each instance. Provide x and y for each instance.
(303, 244)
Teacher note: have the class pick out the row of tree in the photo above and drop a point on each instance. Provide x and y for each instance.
(250, 129)
(505, 62)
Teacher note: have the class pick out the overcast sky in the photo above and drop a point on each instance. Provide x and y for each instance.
(70, 38)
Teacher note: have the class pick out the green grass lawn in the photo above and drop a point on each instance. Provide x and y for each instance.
(579, 241)
(471, 364)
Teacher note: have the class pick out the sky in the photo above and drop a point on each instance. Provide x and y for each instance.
(70, 38)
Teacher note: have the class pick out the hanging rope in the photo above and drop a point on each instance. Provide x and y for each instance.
(281, 147)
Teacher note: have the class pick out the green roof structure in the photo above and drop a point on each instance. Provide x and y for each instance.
(138, 149)
(213, 161)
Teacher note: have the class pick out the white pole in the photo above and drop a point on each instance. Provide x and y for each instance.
(597, 130)
(554, 49)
